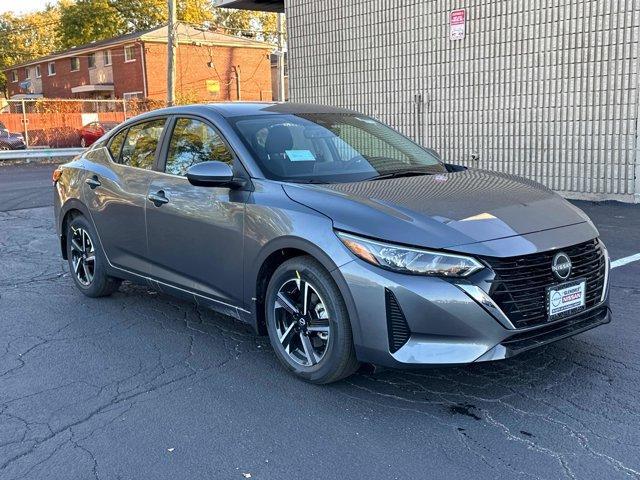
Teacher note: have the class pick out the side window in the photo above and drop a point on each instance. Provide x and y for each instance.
(116, 144)
(139, 148)
(193, 142)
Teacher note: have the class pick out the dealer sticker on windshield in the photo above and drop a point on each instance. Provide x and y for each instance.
(300, 155)
(566, 299)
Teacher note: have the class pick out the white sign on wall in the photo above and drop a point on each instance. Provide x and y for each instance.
(457, 19)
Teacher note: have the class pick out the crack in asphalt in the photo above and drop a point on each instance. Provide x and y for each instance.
(547, 414)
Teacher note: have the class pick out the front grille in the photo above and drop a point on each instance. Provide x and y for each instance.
(397, 326)
(519, 287)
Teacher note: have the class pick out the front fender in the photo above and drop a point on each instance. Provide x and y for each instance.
(331, 262)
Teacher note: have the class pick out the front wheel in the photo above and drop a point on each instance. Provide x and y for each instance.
(87, 263)
(308, 322)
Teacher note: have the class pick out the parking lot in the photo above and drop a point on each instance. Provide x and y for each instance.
(141, 385)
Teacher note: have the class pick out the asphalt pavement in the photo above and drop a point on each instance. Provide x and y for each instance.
(144, 386)
(25, 185)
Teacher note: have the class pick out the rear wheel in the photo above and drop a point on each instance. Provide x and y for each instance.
(308, 322)
(87, 263)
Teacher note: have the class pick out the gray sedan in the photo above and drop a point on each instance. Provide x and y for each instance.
(338, 237)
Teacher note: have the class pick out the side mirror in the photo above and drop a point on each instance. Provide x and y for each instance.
(454, 168)
(210, 174)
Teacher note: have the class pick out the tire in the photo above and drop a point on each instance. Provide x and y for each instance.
(334, 357)
(89, 275)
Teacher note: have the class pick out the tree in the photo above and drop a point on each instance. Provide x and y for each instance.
(261, 25)
(27, 36)
(147, 14)
(86, 21)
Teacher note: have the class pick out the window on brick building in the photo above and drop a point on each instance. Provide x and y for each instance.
(14, 76)
(106, 55)
(27, 73)
(129, 53)
(51, 68)
(92, 60)
(75, 64)
(38, 71)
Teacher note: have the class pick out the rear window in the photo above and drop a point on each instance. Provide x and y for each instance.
(116, 144)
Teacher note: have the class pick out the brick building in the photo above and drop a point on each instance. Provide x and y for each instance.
(210, 67)
(549, 90)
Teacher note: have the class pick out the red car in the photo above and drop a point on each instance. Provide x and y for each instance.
(93, 131)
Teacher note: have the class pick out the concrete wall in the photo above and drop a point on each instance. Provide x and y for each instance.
(546, 89)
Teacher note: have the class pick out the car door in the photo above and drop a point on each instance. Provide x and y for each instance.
(194, 232)
(116, 194)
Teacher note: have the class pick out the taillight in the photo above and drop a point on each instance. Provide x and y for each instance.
(57, 173)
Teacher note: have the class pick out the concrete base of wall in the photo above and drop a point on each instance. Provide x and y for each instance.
(601, 197)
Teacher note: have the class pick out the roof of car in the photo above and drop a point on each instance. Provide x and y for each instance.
(235, 109)
(239, 109)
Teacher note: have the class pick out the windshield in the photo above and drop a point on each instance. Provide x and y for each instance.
(330, 148)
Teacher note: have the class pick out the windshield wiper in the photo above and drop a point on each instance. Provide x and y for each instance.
(400, 173)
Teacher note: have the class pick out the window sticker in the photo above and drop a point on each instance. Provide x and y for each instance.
(300, 155)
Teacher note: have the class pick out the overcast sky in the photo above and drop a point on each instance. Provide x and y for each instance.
(23, 6)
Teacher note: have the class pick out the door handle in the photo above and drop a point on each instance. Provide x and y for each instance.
(158, 198)
(93, 182)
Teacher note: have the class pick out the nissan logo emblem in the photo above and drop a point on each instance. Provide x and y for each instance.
(561, 266)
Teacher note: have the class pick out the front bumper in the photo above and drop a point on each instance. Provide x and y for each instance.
(447, 325)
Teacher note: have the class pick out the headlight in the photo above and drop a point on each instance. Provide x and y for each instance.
(410, 260)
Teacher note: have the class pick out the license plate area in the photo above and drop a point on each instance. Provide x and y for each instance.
(566, 299)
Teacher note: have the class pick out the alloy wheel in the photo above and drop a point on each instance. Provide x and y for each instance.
(83, 256)
(302, 322)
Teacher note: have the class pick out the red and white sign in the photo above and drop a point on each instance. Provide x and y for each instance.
(457, 20)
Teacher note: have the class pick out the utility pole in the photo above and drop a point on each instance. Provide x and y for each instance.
(281, 90)
(236, 70)
(171, 54)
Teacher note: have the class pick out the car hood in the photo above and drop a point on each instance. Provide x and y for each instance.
(440, 211)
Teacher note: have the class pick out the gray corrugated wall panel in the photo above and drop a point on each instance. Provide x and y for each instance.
(545, 89)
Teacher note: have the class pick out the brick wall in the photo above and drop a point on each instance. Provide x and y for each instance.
(127, 76)
(543, 89)
(192, 72)
(60, 84)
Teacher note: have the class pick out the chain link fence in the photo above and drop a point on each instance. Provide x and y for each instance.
(57, 123)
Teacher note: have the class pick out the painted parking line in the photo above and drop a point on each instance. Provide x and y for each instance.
(623, 261)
